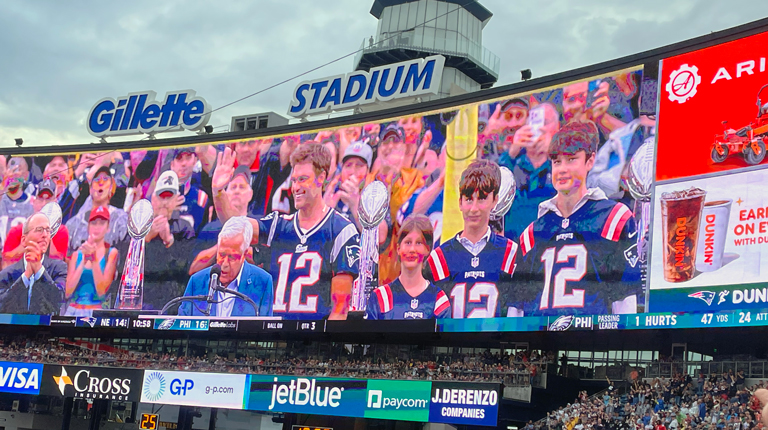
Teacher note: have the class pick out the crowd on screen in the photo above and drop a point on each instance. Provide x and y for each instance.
(520, 368)
(683, 402)
(283, 213)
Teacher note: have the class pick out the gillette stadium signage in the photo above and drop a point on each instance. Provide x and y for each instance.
(141, 113)
(380, 84)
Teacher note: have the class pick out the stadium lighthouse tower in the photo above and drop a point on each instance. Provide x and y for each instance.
(411, 29)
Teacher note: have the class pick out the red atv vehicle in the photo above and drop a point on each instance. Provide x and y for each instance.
(750, 140)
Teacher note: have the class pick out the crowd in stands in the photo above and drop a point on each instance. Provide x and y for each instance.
(521, 368)
(707, 402)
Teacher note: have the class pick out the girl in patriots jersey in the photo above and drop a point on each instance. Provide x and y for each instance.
(475, 267)
(580, 255)
(410, 296)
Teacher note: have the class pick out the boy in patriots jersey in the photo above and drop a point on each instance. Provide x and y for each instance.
(578, 256)
(475, 267)
(410, 296)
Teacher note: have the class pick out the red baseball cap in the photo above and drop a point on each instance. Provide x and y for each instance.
(99, 212)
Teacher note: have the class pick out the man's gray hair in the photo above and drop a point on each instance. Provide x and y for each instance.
(238, 225)
(25, 226)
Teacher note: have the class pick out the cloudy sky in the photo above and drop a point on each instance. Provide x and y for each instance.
(59, 58)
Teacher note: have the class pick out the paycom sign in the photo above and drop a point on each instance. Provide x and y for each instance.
(398, 400)
(319, 396)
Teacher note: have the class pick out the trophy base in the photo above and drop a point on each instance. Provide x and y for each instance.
(355, 315)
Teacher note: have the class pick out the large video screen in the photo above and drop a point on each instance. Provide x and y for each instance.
(553, 209)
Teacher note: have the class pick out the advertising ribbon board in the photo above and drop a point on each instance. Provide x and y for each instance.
(464, 403)
(307, 395)
(214, 390)
(20, 378)
(398, 400)
(92, 382)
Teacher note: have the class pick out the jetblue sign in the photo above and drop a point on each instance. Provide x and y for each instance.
(193, 389)
(380, 84)
(140, 113)
(20, 378)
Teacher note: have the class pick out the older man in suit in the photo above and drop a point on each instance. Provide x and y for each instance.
(236, 274)
(35, 284)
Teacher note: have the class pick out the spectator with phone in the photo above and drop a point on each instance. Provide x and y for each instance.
(192, 200)
(528, 160)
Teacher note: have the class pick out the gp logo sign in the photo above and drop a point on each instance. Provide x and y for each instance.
(194, 389)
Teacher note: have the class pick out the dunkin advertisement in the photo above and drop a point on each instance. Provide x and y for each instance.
(710, 239)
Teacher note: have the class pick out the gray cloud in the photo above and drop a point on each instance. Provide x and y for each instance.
(59, 59)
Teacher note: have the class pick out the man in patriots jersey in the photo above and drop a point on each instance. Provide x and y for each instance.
(410, 296)
(475, 267)
(314, 252)
(577, 257)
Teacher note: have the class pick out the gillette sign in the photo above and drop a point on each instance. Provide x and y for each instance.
(140, 113)
(380, 84)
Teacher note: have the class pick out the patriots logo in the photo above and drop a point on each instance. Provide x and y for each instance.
(631, 255)
(562, 323)
(166, 324)
(91, 321)
(353, 254)
(707, 296)
(168, 180)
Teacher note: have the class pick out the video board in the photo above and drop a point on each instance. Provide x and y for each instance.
(557, 208)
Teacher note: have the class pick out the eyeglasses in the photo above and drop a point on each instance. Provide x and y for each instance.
(101, 179)
(39, 230)
(232, 258)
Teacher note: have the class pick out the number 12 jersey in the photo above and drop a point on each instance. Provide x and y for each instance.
(303, 263)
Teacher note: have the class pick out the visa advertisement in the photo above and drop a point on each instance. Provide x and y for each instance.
(464, 403)
(219, 390)
(307, 395)
(20, 378)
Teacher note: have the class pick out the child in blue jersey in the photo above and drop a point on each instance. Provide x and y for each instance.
(475, 267)
(578, 256)
(410, 296)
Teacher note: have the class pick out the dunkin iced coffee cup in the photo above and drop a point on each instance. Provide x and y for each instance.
(680, 218)
(712, 232)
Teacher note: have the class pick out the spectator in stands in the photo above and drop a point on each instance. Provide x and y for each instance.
(15, 206)
(236, 274)
(102, 188)
(170, 235)
(35, 284)
(92, 267)
(193, 200)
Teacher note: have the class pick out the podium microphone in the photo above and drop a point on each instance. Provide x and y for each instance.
(212, 286)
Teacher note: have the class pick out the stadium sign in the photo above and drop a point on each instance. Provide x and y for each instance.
(20, 378)
(398, 400)
(91, 382)
(464, 403)
(193, 389)
(380, 84)
(140, 113)
(321, 396)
